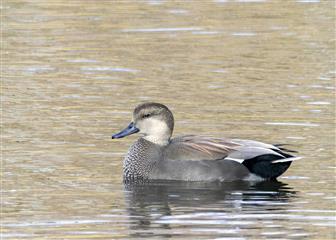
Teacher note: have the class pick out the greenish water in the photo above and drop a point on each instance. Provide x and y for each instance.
(72, 72)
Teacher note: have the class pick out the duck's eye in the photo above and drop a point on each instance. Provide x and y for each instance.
(146, 115)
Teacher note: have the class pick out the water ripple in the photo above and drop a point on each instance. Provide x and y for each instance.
(293, 124)
(109, 69)
(319, 103)
(149, 30)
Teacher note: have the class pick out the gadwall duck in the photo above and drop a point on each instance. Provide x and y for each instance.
(157, 156)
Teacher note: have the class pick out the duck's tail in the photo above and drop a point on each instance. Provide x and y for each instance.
(270, 166)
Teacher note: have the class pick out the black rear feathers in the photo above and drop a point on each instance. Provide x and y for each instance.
(264, 167)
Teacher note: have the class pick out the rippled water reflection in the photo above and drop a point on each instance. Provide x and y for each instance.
(210, 210)
(73, 71)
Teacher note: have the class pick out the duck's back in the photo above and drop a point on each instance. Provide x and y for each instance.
(192, 147)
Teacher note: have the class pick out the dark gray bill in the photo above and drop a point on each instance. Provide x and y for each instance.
(127, 131)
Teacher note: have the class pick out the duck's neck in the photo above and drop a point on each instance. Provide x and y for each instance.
(157, 140)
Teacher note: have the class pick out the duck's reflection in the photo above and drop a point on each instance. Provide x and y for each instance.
(157, 205)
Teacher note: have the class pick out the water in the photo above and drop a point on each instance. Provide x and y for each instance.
(73, 71)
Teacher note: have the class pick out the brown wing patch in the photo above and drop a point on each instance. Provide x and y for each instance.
(191, 147)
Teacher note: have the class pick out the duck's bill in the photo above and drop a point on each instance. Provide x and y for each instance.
(130, 129)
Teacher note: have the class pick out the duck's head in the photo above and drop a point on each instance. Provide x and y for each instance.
(154, 120)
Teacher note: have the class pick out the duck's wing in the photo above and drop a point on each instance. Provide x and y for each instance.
(191, 147)
(264, 160)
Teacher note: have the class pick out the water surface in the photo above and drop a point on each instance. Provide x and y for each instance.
(74, 70)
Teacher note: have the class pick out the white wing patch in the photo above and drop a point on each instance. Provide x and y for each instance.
(235, 159)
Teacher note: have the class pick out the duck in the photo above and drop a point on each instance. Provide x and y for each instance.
(158, 156)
